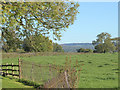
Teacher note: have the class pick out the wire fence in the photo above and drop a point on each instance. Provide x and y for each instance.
(37, 72)
(50, 76)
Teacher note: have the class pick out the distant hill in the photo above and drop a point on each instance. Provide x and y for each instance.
(71, 47)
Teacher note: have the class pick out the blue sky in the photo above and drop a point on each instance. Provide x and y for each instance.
(94, 18)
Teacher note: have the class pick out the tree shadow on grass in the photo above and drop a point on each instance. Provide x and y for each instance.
(26, 82)
(30, 83)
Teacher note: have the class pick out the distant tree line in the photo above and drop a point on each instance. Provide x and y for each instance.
(104, 43)
(34, 43)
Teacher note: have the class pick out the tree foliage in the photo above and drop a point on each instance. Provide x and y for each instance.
(10, 41)
(44, 17)
(22, 20)
(37, 43)
(116, 42)
(103, 43)
(57, 48)
(84, 50)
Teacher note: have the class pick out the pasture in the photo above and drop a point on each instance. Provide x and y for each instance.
(12, 83)
(99, 71)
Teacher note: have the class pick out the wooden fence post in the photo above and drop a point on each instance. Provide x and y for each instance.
(19, 68)
(12, 69)
(66, 63)
(1, 69)
(50, 71)
(6, 68)
(32, 73)
(66, 79)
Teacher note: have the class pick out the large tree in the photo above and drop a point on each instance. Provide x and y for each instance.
(116, 42)
(27, 18)
(44, 17)
(103, 43)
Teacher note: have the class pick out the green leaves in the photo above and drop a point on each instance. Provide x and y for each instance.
(10, 40)
(21, 20)
(103, 43)
(37, 43)
(57, 48)
(56, 14)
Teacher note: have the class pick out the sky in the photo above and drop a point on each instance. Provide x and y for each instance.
(93, 19)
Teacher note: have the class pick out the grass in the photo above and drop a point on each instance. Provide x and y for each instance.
(99, 70)
(12, 83)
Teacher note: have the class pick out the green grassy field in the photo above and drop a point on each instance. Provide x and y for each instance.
(12, 83)
(99, 70)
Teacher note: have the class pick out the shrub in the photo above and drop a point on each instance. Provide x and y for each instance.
(57, 48)
(85, 50)
(37, 43)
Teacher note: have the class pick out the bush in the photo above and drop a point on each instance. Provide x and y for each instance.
(57, 48)
(37, 43)
(85, 50)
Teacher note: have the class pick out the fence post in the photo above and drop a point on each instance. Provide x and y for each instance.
(50, 72)
(32, 73)
(66, 79)
(12, 69)
(19, 68)
(66, 63)
(1, 69)
(6, 68)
